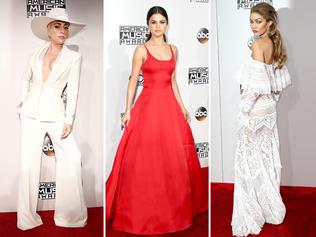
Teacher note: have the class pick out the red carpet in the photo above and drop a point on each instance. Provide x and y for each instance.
(198, 229)
(300, 219)
(94, 228)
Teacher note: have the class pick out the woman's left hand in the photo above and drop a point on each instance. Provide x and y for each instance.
(66, 131)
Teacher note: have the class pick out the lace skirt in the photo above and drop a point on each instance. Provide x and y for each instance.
(257, 196)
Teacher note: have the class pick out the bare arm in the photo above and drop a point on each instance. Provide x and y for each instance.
(257, 51)
(175, 87)
(138, 59)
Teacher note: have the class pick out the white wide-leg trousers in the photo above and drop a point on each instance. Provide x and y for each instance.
(70, 208)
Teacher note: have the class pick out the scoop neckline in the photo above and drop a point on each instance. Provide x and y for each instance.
(161, 60)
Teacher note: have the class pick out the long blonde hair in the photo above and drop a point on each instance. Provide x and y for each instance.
(269, 14)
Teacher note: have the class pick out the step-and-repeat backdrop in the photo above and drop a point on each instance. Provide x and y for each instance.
(296, 113)
(125, 28)
(17, 43)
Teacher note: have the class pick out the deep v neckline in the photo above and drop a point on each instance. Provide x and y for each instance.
(52, 67)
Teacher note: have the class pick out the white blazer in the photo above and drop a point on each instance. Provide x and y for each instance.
(42, 100)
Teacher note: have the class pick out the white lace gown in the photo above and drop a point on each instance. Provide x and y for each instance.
(257, 196)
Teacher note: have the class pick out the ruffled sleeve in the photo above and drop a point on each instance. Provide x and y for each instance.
(261, 78)
(280, 80)
(257, 78)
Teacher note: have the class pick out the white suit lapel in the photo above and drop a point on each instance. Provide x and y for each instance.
(38, 61)
(60, 65)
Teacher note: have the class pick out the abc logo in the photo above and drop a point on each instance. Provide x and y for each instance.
(203, 35)
(201, 114)
(48, 148)
(140, 80)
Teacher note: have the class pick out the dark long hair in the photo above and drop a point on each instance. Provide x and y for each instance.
(269, 13)
(156, 10)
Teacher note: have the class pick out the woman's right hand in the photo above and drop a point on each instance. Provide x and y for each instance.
(125, 119)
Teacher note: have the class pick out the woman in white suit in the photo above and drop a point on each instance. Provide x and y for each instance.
(51, 68)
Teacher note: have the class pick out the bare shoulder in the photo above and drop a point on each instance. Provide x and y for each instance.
(140, 51)
(174, 49)
(258, 45)
(140, 48)
(258, 50)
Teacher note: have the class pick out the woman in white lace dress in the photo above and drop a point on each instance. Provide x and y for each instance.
(257, 196)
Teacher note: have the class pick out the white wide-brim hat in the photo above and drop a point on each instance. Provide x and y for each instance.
(39, 24)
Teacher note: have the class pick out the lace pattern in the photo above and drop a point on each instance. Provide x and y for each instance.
(257, 179)
(256, 122)
(257, 198)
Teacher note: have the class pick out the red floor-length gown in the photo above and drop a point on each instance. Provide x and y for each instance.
(155, 185)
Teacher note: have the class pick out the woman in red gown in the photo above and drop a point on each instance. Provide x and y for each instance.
(155, 185)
